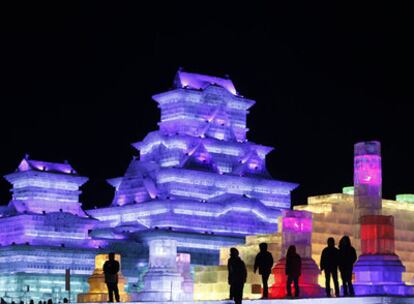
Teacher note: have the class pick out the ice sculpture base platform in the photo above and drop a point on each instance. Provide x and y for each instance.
(308, 281)
(380, 275)
(354, 300)
(162, 285)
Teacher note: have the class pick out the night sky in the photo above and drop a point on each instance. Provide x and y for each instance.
(76, 84)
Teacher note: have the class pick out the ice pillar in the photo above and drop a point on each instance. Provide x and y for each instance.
(162, 282)
(184, 268)
(367, 178)
(379, 270)
(297, 230)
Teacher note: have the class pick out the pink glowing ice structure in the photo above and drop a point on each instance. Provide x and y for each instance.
(297, 230)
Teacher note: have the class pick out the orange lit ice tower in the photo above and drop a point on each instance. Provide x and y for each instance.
(378, 270)
(297, 230)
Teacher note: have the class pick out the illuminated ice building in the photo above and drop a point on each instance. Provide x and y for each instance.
(197, 177)
(197, 182)
(43, 231)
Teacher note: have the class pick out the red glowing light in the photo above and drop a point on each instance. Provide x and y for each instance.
(377, 234)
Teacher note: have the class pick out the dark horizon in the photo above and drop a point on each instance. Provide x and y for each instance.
(77, 85)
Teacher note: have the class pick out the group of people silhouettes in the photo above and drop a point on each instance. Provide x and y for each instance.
(332, 259)
(343, 258)
(264, 263)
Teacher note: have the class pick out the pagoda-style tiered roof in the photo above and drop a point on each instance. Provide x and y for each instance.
(200, 82)
(198, 172)
(37, 165)
(43, 187)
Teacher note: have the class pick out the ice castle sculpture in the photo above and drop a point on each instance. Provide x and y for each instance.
(43, 232)
(197, 176)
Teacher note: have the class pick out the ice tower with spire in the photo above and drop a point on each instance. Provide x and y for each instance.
(197, 175)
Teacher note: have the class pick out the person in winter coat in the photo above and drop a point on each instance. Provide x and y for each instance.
(329, 264)
(237, 275)
(347, 258)
(264, 262)
(293, 270)
(111, 268)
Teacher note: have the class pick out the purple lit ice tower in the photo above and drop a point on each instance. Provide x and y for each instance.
(198, 173)
(368, 177)
(45, 232)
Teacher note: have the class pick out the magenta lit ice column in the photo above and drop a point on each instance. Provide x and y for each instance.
(367, 178)
(297, 231)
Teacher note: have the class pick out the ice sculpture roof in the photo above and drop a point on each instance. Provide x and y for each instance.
(199, 81)
(36, 165)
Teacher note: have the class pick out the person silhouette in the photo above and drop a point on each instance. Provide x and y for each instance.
(329, 264)
(347, 258)
(264, 262)
(293, 270)
(3, 301)
(111, 268)
(237, 275)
